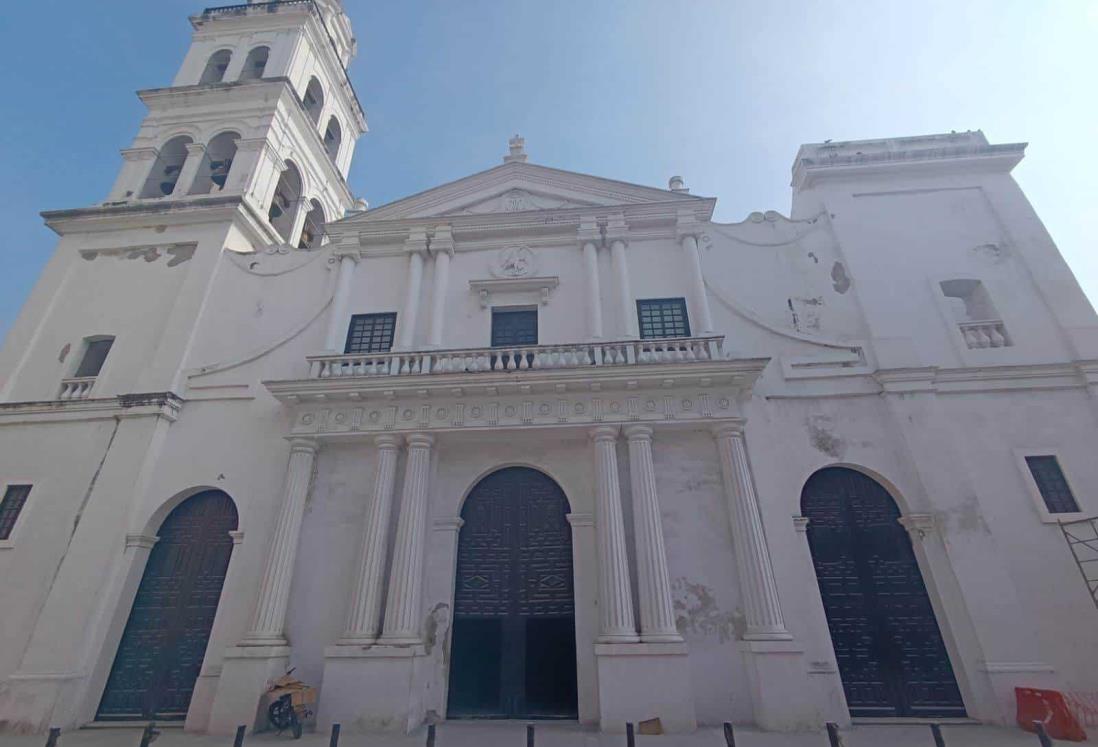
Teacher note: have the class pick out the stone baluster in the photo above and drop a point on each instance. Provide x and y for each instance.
(274, 592)
(589, 236)
(337, 314)
(364, 620)
(616, 623)
(688, 236)
(616, 233)
(760, 591)
(657, 613)
(416, 247)
(442, 246)
(402, 608)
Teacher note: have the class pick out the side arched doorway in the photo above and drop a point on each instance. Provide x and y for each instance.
(890, 652)
(162, 647)
(513, 652)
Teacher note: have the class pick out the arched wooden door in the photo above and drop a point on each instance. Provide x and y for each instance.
(513, 650)
(890, 652)
(164, 642)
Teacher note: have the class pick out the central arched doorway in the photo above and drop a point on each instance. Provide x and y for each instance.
(513, 653)
(890, 652)
(164, 642)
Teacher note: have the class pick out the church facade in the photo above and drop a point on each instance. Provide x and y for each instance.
(536, 444)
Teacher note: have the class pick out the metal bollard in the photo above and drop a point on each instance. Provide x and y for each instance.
(238, 740)
(729, 737)
(55, 734)
(149, 735)
(430, 735)
(833, 734)
(333, 741)
(630, 738)
(936, 732)
(529, 735)
(1042, 735)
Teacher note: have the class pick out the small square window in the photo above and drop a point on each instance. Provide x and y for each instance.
(1052, 484)
(95, 353)
(514, 326)
(10, 506)
(663, 317)
(370, 333)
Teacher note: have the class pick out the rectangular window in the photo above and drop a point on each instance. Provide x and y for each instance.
(95, 353)
(1052, 484)
(663, 317)
(10, 506)
(370, 333)
(514, 326)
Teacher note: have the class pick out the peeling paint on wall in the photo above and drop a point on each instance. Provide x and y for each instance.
(696, 612)
(840, 280)
(823, 439)
(436, 626)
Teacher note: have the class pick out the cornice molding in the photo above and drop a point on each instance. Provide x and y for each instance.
(166, 405)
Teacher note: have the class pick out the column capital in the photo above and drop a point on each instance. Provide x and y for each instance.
(605, 433)
(195, 149)
(304, 445)
(144, 541)
(617, 229)
(416, 241)
(442, 242)
(687, 224)
(387, 441)
(729, 428)
(341, 254)
(800, 524)
(638, 432)
(588, 230)
(420, 440)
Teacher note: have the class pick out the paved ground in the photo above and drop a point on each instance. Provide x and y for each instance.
(513, 735)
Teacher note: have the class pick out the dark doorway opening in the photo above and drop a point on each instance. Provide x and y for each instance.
(162, 647)
(513, 652)
(891, 656)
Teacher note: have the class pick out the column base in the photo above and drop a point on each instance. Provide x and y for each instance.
(372, 688)
(640, 681)
(1005, 676)
(32, 702)
(781, 698)
(246, 671)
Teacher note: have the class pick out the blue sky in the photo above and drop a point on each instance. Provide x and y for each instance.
(721, 92)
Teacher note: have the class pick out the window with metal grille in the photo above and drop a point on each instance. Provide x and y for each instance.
(370, 333)
(95, 353)
(1052, 484)
(514, 326)
(10, 506)
(663, 317)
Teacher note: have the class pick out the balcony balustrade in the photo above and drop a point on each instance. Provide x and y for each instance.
(518, 358)
(76, 388)
(984, 334)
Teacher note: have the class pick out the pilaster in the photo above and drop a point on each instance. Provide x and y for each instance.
(442, 247)
(617, 234)
(136, 163)
(616, 622)
(589, 237)
(688, 230)
(337, 314)
(416, 248)
(196, 153)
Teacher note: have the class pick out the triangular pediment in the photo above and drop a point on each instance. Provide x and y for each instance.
(518, 188)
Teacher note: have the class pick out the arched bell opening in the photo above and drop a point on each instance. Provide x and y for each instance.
(312, 233)
(892, 658)
(164, 641)
(167, 168)
(513, 648)
(216, 162)
(284, 203)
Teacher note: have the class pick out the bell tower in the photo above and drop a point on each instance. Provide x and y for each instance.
(262, 109)
(248, 148)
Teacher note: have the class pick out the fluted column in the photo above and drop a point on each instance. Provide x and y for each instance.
(337, 315)
(701, 298)
(589, 236)
(364, 620)
(616, 232)
(657, 613)
(616, 623)
(274, 592)
(402, 608)
(760, 592)
(416, 246)
(442, 246)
